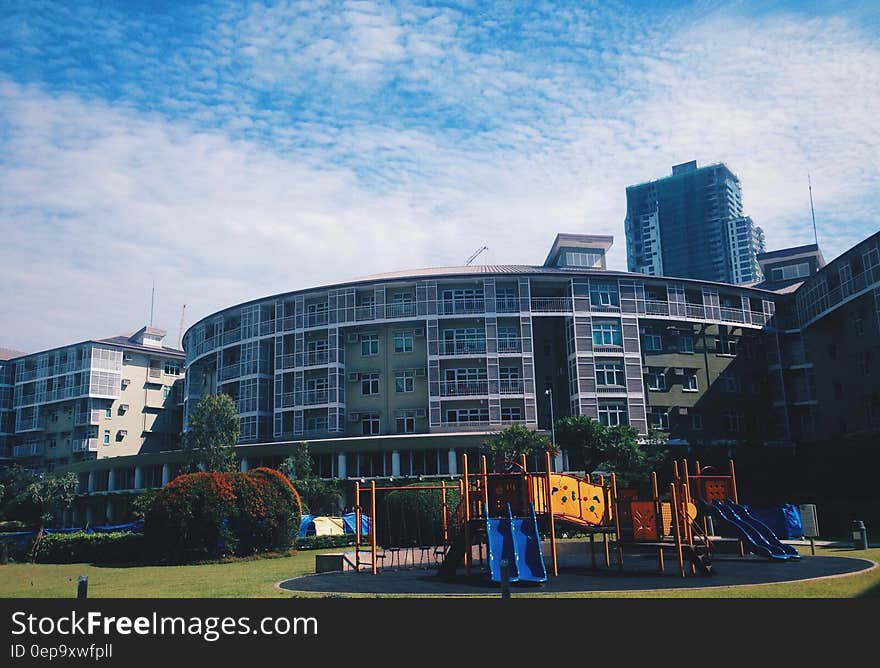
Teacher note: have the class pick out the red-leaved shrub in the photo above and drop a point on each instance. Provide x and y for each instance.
(209, 515)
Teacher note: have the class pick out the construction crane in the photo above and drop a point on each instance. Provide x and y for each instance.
(473, 257)
(180, 329)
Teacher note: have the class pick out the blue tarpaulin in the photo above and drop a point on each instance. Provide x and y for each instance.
(350, 522)
(304, 525)
(785, 521)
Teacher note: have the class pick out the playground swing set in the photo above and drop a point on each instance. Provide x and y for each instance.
(507, 512)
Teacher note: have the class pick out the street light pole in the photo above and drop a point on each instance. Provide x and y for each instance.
(549, 393)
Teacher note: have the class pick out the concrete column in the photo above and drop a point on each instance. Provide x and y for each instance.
(453, 462)
(341, 471)
(243, 465)
(138, 477)
(75, 519)
(395, 463)
(565, 466)
(108, 513)
(89, 514)
(557, 462)
(166, 474)
(91, 481)
(111, 480)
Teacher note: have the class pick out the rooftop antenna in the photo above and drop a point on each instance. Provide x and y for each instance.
(481, 249)
(152, 302)
(812, 210)
(180, 329)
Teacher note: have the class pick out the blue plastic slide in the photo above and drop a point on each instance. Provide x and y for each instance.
(752, 539)
(766, 532)
(499, 539)
(527, 543)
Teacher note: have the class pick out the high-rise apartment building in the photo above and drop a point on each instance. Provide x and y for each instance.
(691, 225)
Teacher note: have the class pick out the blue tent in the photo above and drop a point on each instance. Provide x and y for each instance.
(304, 525)
(350, 521)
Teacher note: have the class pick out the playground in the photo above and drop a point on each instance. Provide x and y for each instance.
(511, 527)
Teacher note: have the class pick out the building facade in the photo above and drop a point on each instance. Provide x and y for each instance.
(93, 400)
(397, 375)
(691, 225)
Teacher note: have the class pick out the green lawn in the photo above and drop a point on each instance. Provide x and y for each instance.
(257, 579)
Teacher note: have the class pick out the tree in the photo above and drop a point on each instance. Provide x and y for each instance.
(584, 437)
(35, 497)
(212, 434)
(514, 441)
(319, 497)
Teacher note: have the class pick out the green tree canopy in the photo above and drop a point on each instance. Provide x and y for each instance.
(212, 434)
(514, 441)
(319, 497)
(35, 497)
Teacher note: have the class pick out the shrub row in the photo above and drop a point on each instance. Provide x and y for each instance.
(322, 542)
(94, 548)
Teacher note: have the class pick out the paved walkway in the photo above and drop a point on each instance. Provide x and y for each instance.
(640, 574)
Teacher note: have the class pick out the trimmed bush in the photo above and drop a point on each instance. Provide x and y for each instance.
(209, 515)
(94, 548)
(323, 542)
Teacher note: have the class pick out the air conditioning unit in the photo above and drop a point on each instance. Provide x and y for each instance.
(122, 433)
(354, 377)
(353, 338)
(421, 372)
(682, 410)
(421, 413)
(419, 331)
(354, 417)
(126, 382)
(126, 357)
(123, 408)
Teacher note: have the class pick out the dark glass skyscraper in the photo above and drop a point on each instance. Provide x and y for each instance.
(691, 225)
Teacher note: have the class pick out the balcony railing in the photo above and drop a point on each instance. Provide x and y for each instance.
(695, 311)
(313, 397)
(27, 450)
(84, 445)
(511, 386)
(316, 358)
(464, 388)
(464, 305)
(81, 417)
(611, 389)
(476, 347)
(401, 310)
(365, 313)
(231, 371)
(509, 345)
(316, 319)
(732, 314)
(267, 327)
(551, 304)
(231, 336)
(656, 308)
(507, 305)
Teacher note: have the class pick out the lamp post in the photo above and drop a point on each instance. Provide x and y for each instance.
(549, 393)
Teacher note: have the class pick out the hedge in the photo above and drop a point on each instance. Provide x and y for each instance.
(322, 542)
(94, 548)
(203, 516)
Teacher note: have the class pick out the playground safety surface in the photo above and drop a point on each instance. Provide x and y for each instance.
(639, 574)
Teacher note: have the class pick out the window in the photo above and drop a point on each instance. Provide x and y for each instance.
(463, 341)
(401, 305)
(404, 381)
(52, 442)
(685, 343)
(610, 373)
(728, 382)
(659, 418)
(405, 423)
(466, 415)
(611, 415)
(800, 270)
(172, 368)
(403, 341)
(511, 414)
(656, 379)
(108, 412)
(582, 259)
(689, 381)
(369, 424)
(506, 300)
(696, 421)
(106, 437)
(732, 421)
(508, 339)
(653, 343)
(369, 384)
(606, 333)
(725, 346)
(603, 294)
(369, 345)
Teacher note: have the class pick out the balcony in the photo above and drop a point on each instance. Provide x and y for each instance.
(551, 304)
(656, 308)
(607, 348)
(365, 313)
(316, 319)
(81, 417)
(610, 389)
(732, 314)
(401, 310)
(230, 371)
(27, 450)
(84, 445)
(695, 311)
(511, 386)
(475, 425)
(454, 348)
(509, 345)
(315, 397)
(267, 327)
(231, 336)
(316, 358)
(507, 306)
(464, 388)
(27, 374)
(461, 306)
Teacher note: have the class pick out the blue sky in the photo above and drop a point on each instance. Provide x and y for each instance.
(229, 151)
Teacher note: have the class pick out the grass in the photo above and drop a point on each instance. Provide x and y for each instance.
(257, 578)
